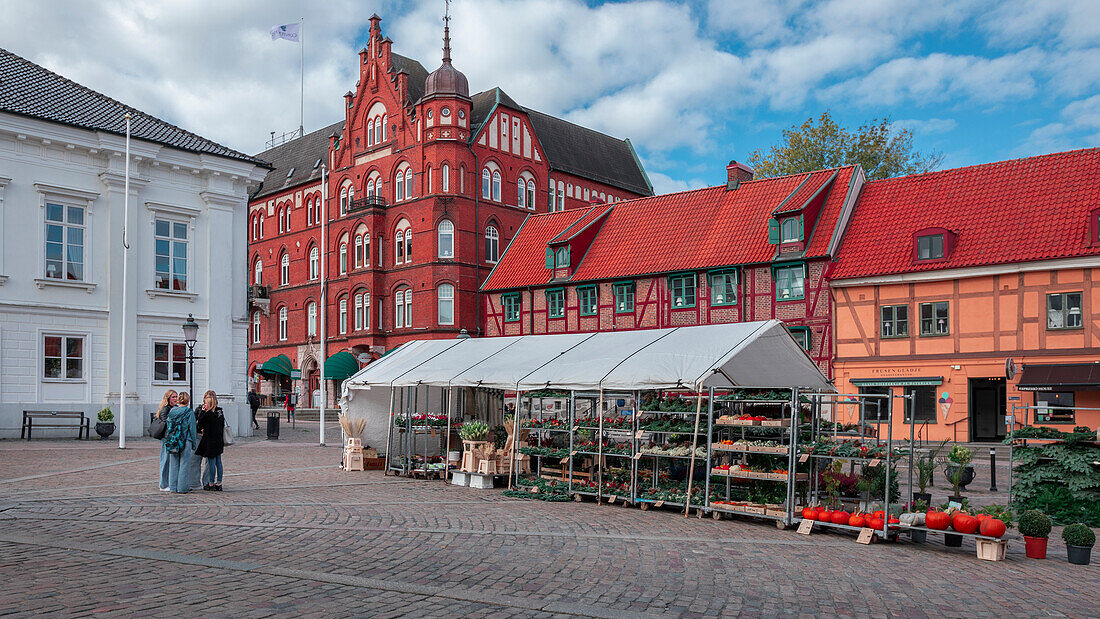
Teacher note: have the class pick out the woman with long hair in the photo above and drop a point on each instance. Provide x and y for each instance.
(180, 440)
(211, 421)
(166, 404)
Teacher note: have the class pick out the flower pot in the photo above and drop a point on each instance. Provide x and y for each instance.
(952, 541)
(918, 537)
(1035, 547)
(923, 496)
(965, 477)
(104, 430)
(1078, 555)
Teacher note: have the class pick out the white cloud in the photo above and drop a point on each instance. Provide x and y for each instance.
(663, 183)
(928, 126)
(1079, 128)
(1074, 23)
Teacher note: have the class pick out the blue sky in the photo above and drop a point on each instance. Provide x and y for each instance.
(693, 84)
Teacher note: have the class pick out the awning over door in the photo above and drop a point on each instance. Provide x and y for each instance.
(279, 364)
(1059, 376)
(341, 365)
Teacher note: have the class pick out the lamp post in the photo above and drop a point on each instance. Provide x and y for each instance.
(191, 336)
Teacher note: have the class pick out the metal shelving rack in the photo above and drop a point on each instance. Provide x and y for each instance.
(655, 458)
(602, 436)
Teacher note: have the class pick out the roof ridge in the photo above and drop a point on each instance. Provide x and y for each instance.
(558, 118)
(302, 137)
(987, 164)
(792, 174)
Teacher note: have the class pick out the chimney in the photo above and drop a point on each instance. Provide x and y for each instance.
(737, 173)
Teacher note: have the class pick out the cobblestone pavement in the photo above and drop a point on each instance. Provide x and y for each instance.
(83, 530)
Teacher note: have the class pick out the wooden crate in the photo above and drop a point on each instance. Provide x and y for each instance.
(353, 459)
(775, 423)
(374, 464)
(990, 550)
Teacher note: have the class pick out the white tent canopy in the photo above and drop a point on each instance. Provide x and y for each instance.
(747, 354)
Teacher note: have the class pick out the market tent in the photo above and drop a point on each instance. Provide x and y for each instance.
(341, 365)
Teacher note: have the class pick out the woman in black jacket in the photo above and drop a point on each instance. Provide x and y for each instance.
(211, 422)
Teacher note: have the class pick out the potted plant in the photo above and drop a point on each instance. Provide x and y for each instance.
(926, 468)
(105, 426)
(1079, 541)
(960, 472)
(1035, 527)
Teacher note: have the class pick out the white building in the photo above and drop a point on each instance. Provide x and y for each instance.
(61, 255)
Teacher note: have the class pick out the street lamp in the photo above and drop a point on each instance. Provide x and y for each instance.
(191, 336)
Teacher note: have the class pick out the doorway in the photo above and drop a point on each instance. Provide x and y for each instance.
(987, 409)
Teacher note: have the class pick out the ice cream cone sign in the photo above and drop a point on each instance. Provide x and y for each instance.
(945, 404)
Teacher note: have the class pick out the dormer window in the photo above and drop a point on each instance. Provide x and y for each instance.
(557, 258)
(316, 164)
(290, 173)
(930, 247)
(792, 230)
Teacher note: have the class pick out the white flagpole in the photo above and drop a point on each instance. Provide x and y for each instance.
(324, 301)
(302, 102)
(125, 293)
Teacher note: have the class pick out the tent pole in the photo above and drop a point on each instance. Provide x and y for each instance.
(513, 472)
(599, 450)
(694, 445)
(449, 396)
(573, 421)
(710, 431)
(389, 431)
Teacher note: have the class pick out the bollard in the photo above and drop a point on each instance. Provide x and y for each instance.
(992, 469)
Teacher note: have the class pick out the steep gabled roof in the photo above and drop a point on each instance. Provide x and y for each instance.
(299, 155)
(31, 90)
(689, 230)
(417, 75)
(1020, 210)
(483, 103)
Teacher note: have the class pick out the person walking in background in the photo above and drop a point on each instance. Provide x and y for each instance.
(180, 440)
(254, 404)
(211, 424)
(161, 416)
(291, 401)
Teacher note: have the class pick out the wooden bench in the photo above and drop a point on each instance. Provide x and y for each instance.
(83, 425)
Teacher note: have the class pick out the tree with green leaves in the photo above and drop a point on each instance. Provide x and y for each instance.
(881, 148)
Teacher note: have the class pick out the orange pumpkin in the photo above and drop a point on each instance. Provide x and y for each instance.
(840, 517)
(964, 523)
(857, 520)
(937, 521)
(809, 513)
(875, 523)
(992, 527)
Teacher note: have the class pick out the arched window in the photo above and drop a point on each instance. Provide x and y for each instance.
(351, 199)
(358, 250)
(343, 257)
(561, 196)
(282, 324)
(408, 184)
(255, 227)
(358, 311)
(445, 181)
(446, 239)
(496, 186)
(461, 183)
(314, 263)
(370, 132)
(261, 225)
(309, 211)
(258, 273)
(256, 327)
(445, 299)
(344, 199)
(284, 269)
(370, 188)
(366, 248)
(409, 246)
(279, 214)
(399, 186)
(287, 215)
(486, 188)
(399, 244)
(521, 195)
(381, 129)
(366, 310)
(531, 194)
(399, 309)
(311, 319)
(492, 244)
(428, 178)
(343, 316)
(552, 199)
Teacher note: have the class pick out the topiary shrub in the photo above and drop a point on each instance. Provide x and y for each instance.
(1078, 535)
(1033, 523)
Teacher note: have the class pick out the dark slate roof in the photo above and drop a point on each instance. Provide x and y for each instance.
(417, 75)
(572, 148)
(32, 90)
(301, 155)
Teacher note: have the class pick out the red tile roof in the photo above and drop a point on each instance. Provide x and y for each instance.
(688, 230)
(1010, 211)
(594, 213)
(810, 186)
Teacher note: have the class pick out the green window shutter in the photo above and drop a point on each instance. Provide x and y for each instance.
(801, 230)
(550, 257)
(773, 232)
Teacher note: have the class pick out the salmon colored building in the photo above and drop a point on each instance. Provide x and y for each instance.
(974, 289)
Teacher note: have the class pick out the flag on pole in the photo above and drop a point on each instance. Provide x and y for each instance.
(288, 32)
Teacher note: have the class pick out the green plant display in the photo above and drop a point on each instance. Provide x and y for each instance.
(1060, 478)
(1034, 523)
(474, 431)
(1078, 535)
(1003, 513)
(105, 416)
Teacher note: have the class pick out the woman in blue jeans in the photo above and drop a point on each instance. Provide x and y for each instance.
(180, 441)
(211, 421)
(166, 404)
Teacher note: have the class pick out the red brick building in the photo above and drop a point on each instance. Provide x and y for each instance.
(428, 185)
(748, 250)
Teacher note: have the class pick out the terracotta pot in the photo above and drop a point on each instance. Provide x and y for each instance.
(1035, 547)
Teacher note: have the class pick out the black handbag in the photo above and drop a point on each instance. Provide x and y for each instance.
(157, 427)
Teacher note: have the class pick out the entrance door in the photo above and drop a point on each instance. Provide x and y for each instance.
(987, 409)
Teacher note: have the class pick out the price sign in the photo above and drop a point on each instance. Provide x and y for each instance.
(874, 462)
(658, 503)
(865, 535)
(532, 490)
(803, 457)
(564, 460)
(805, 527)
(573, 453)
(637, 456)
(611, 499)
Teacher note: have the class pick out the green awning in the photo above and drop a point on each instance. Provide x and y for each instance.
(279, 364)
(340, 366)
(918, 381)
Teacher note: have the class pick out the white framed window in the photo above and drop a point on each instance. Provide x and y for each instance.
(261, 225)
(170, 254)
(256, 318)
(358, 250)
(381, 129)
(366, 310)
(399, 186)
(531, 194)
(282, 323)
(496, 186)
(521, 194)
(399, 245)
(62, 357)
(64, 241)
(486, 184)
(359, 311)
(286, 214)
(445, 298)
(492, 244)
(366, 248)
(408, 184)
(370, 132)
(428, 178)
(446, 239)
(169, 362)
(399, 309)
(445, 180)
(279, 214)
(314, 263)
(258, 272)
(409, 308)
(370, 188)
(344, 199)
(561, 196)
(255, 227)
(343, 322)
(408, 245)
(343, 257)
(311, 319)
(309, 211)
(284, 269)
(462, 179)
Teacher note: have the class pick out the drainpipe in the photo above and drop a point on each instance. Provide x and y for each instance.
(477, 239)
